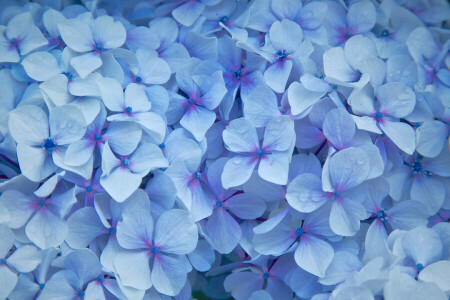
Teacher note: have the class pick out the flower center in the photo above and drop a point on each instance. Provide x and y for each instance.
(281, 54)
(385, 32)
(2, 261)
(155, 250)
(80, 293)
(162, 146)
(260, 152)
(49, 144)
(419, 267)
(224, 19)
(299, 232)
(237, 73)
(100, 278)
(219, 203)
(68, 75)
(41, 286)
(138, 79)
(89, 189)
(128, 110)
(41, 203)
(190, 101)
(266, 276)
(98, 136)
(198, 175)
(112, 230)
(99, 47)
(382, 215)
(378, 115)
(126, 162)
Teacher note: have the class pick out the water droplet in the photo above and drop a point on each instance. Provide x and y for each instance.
(237, 161)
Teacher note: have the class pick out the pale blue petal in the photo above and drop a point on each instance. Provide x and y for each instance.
(168, 274)
(187, 13)
(19, 206)
(277, 75)
(77, 35)
(301, 99)
(46, 230)
(133, 269)
(245, 206)
(223, 231)
(348, 168)
(401, 134)
(87, 63)
(339, 128)
(176, 232)
(84, 263)
(237, 171)
(361, 17)
(396, 99)
(67, 124)
(305, 193)
(240, 136)
(108, 32)
(41, 66)
(314, 255)
(84, 226)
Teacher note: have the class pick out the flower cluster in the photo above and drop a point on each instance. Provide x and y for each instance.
(208, 149)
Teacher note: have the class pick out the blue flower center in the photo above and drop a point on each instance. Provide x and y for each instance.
(416, 168)
(68, 75)
(128, 110)
(98, 136)
(155, 250)
(379, 115)
(281, 54)
(2, 261)
(237, 73)
(100, 278)
(41, 286)
(13, 41)
(336, 194)
(260, 152)
(190, 100)
(382, 215)
(125, 162)
(224, 19)
(49, 144)
(198, 175)
(99, 47)
(41, 203)
(112, 230)
(419, 267)
(266, 276)
(385, 32)
(219, 203)
(89, 189)
(348, 35)
(138, 79)
(80, 293)
(435, 71)
(299, 231)
(162, 146)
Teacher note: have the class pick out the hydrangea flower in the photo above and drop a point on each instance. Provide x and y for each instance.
(173, 235)
(195, 110)
(20, 37)
(90, 38)
(41, 217)
(273, 156)
(43, 141)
